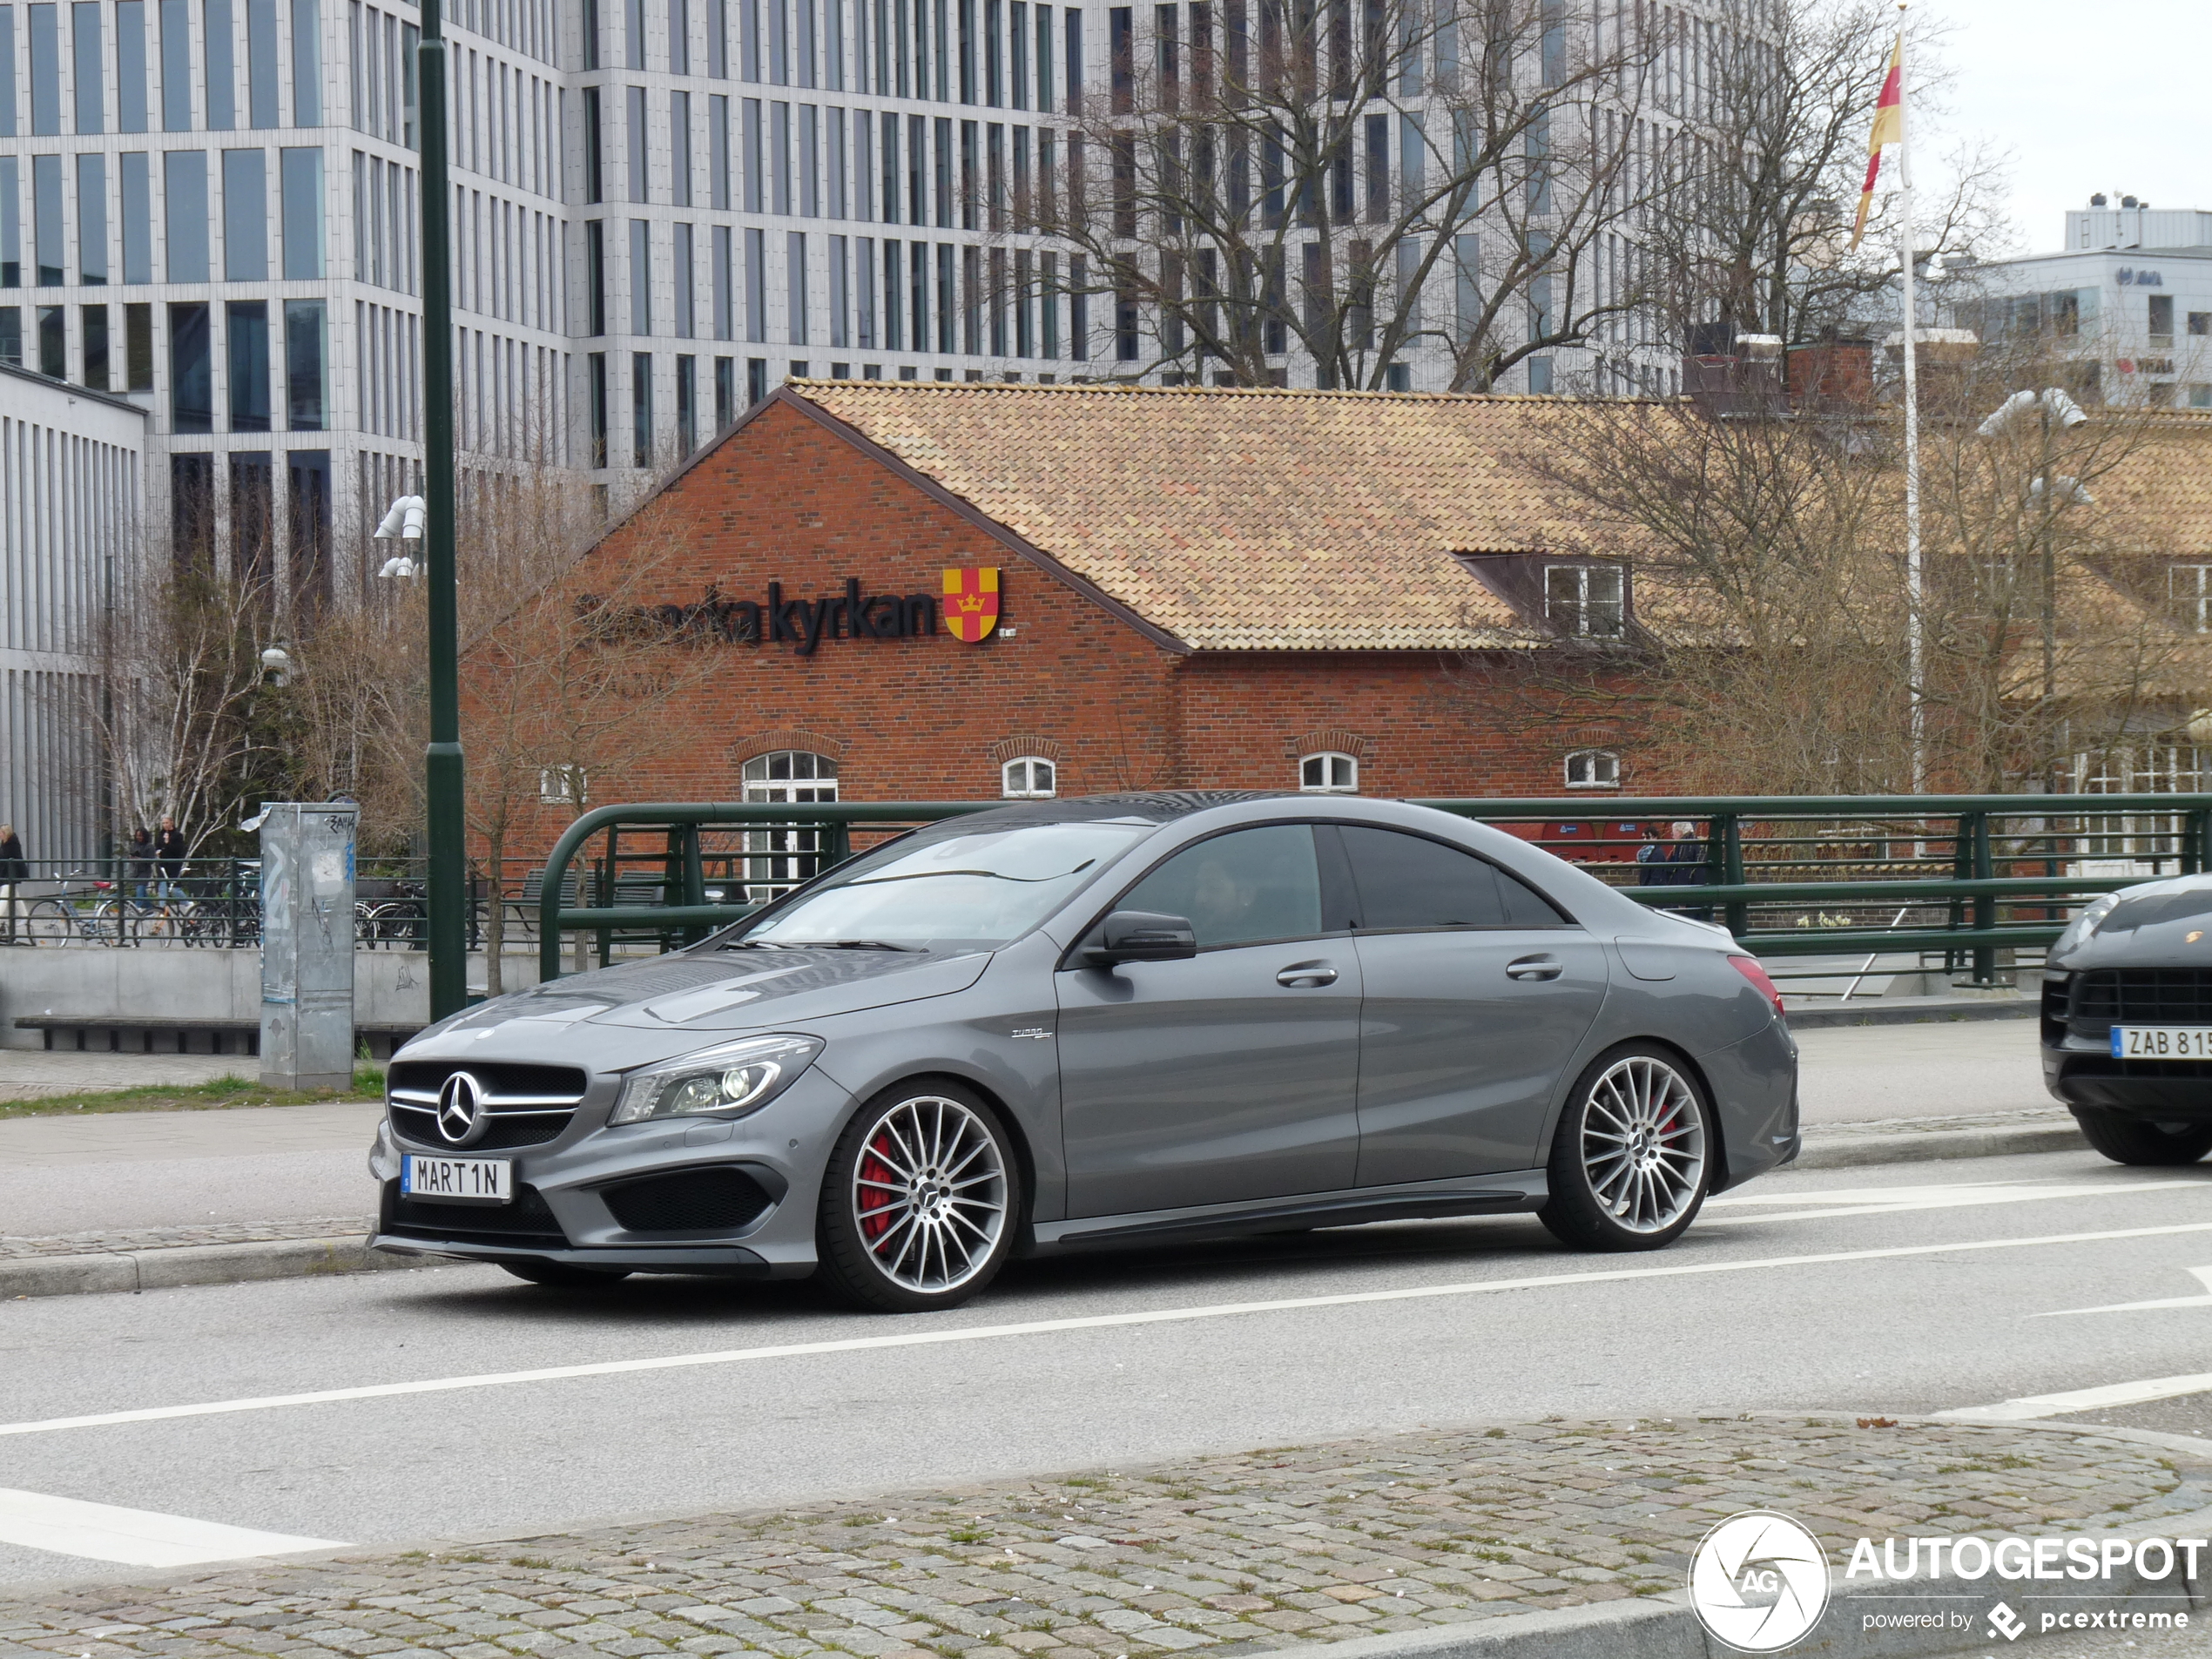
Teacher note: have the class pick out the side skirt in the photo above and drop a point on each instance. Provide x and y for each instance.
(1504, 1193)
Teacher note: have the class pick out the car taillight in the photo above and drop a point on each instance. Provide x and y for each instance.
(1749, 968)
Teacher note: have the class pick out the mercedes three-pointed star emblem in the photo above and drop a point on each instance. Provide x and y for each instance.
(461, 1117)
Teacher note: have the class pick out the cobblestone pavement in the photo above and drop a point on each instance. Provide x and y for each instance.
(224, 1232)
(32, 1074)
(1237, 1553)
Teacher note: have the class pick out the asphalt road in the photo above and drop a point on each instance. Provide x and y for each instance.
(122, 1172)
(1910, 1289)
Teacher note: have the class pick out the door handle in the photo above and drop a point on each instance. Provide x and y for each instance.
(1534, 967)
(1306, 974)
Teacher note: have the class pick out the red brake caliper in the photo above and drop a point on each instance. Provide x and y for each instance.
(875, 1203)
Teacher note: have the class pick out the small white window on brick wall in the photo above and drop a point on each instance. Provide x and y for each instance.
(1028, 778)
(1329, 773)
(561, 785)
(1593, 769)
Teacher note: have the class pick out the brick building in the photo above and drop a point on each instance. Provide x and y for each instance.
(1192, 588)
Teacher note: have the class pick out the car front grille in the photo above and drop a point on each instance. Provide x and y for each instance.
(528, 1220)
(2103, 1065)
(2143, 996)
(688, 1201)
(528, 1104)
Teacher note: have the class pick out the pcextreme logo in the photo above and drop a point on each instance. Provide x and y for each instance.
(1759, 1582)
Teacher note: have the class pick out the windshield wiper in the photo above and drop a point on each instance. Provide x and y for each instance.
(830, 944)
(748, 944)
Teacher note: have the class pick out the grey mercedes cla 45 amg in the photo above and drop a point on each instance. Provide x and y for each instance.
(1098, 1023)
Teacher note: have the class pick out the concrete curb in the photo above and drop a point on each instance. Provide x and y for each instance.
(1849, 1152)
(163, 1269)
(1820, 1017)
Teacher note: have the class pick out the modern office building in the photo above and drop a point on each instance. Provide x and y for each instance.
(71, 469)
(2128, 297)
(661, 208)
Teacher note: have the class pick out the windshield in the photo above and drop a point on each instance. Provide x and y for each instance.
(958, 891)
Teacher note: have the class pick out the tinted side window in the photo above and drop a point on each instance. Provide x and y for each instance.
(1410, 881)
(1241, 887)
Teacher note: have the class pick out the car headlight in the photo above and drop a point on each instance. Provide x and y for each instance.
(727, 1080)
(2078, 931)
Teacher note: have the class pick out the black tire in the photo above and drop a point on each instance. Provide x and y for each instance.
(876, 1211)
(1600, 1199)
(2137, 1140)
(566, 1275)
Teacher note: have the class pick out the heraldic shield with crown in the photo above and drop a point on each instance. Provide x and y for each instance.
(971, 603)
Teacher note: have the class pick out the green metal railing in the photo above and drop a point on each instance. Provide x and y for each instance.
(1956, 866)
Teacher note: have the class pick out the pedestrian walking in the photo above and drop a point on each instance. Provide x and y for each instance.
(1652, 869)
(14, 872)
(169, 860)
(1687, 866)
(142, 859)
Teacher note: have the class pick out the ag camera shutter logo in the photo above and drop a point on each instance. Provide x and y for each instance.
(1759, 1582)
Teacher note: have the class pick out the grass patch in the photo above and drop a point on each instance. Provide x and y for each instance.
(222, 1094)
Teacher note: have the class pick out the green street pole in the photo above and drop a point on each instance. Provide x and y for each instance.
(447, 825)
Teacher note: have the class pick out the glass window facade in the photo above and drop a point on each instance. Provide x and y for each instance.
(138, 216)
(261, 60)
(185, 195)
(220, 59)
(92, 218)
(245, 216)
(84, 42)
(191, 370)
(48, 233)
(304, 332)
(175, 66)
(130, 66)
(247, 322)
(306, 63)
(10, 224)
(45, 70)
(300, 184)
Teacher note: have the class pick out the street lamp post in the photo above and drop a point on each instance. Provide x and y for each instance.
(446, 826)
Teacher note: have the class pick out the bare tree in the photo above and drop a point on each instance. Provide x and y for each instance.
(1768, 634)
(1756, 231)
(172, 709)
(564, 695)
(1349, 183)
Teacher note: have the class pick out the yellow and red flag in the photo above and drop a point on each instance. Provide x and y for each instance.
(971, 603)
(1889, 128)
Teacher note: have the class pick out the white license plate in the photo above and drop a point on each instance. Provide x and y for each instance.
(2161, 1042)
(458, 1180)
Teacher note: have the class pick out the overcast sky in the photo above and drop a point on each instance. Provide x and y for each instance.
(2087, 94)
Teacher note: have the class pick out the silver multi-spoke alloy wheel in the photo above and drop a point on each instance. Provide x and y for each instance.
(1644, 1143)
(930, 1195)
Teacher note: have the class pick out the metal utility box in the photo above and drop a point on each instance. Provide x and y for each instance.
(308, 944)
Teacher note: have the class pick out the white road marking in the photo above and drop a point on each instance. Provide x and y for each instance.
(1046, 1327)
(2030, 1407)
(1838, 1203)
(102, 1532)
(2203, 1277)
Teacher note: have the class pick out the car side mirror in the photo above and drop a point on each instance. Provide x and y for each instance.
(1140, 936)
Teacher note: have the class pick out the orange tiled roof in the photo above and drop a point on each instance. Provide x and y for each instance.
(1245, 520)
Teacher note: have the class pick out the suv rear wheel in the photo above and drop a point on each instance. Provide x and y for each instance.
(2138, 1140)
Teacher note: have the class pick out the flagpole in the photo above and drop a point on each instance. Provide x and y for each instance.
(1914, 649)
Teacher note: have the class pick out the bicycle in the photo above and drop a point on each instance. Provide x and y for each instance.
(61, 917)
